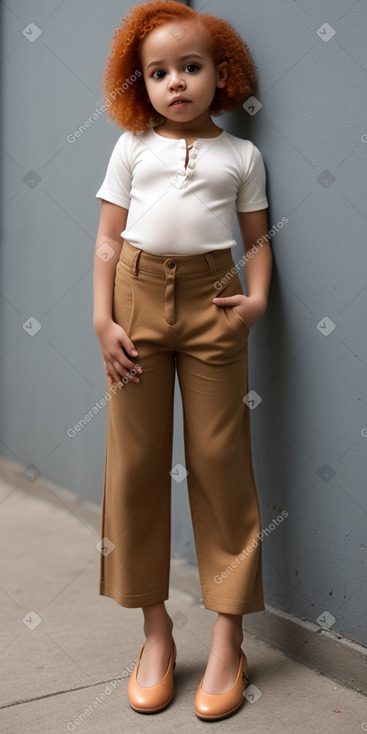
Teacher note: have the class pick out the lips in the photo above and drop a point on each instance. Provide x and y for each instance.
(178, 100)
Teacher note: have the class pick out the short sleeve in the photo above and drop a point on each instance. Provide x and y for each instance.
(116, 185)
(251, 193)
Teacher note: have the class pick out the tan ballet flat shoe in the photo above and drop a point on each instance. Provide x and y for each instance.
(220, 705)
(150, 699)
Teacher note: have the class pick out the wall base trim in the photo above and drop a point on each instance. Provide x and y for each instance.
(320, 649)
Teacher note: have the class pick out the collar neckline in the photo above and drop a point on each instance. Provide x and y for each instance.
(178, 140)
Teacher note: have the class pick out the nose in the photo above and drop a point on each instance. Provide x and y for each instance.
(176, 81)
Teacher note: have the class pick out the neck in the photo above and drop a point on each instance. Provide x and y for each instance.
(202, 126)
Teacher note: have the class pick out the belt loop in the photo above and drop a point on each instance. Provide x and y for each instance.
(134, 262)
(211, 262)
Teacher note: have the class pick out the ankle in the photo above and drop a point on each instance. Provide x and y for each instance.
(229, 634)
(158, 629)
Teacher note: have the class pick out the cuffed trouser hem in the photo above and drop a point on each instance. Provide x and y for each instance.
(133, 602)
(233, 606)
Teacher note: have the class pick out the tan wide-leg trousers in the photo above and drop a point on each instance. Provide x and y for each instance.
(164, 303)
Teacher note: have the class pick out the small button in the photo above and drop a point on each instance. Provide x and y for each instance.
(171, 264)
(191, 164)
(197, 144)
(189, 174)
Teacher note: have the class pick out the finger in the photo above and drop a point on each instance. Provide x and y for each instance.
(111, 372)
(129, 349)
(129, 373)
(227, 301)
(114, 376)
(129, 363)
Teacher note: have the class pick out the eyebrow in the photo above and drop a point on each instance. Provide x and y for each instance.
(181, 58)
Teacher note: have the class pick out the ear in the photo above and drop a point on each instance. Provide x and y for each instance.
(222, 74)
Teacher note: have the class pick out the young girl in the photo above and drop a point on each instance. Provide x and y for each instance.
(167, 297)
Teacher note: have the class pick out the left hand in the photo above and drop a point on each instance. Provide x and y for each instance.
(250, 308)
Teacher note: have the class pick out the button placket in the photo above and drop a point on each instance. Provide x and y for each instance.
(193, 152)
(181, 175)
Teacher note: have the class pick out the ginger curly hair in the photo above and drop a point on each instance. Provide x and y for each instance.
(123, 80)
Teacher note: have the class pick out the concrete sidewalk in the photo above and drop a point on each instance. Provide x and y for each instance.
(66, 650)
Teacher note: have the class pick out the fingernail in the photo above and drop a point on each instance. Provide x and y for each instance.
(134, 351)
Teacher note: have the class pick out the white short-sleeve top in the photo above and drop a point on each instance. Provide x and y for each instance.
(178, 210)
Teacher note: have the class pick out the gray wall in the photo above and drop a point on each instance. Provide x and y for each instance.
(309, 430)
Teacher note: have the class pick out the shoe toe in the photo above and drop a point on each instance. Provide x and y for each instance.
(149, 699)
(217, 706)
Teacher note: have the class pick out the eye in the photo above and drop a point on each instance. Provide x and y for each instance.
(158, 71)
(190, 67)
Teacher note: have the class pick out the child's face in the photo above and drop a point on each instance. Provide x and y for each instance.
(195, 77)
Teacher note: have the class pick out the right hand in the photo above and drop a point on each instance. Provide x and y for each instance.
(111, 336)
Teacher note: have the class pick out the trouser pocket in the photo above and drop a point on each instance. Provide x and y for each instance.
(233, 288)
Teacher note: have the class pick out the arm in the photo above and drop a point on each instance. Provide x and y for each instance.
(112, 221)
(253, 226)
(111, 336)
